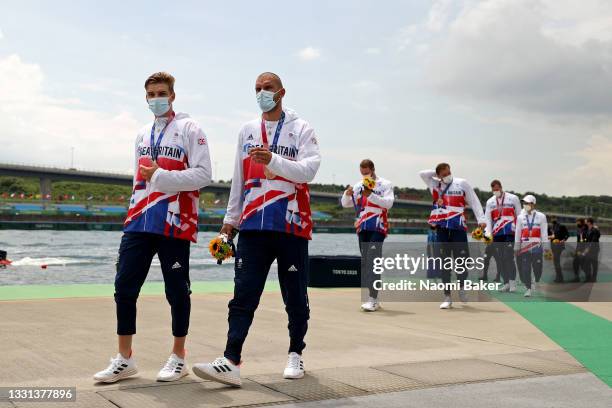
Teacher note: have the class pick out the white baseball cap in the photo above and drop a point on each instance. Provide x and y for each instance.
(529, 199)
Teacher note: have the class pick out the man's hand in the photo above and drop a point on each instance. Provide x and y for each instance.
(228, 230)
(349, 191)
(147, 172)
(261, 155)
(482, 225)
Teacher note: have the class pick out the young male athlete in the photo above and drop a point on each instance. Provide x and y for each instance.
(371, 206)
(501, 211)
(277, 155)
(450, 197)
(172, 164)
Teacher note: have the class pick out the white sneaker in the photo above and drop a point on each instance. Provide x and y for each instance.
(295, 366)
(512, 286)
(527, 293)
(118, 369)
(447, 304)
(221, 370)
(174, 369)
(463, 296)
(505, 288)
(371, 305)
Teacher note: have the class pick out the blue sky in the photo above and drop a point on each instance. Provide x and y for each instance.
(516, 90)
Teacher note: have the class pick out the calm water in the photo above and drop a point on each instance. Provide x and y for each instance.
(89, 256)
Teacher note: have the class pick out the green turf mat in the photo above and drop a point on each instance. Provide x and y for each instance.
(585, 336)
(22, 292)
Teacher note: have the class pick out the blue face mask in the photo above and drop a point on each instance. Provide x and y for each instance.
(159, 106)
(265, 99)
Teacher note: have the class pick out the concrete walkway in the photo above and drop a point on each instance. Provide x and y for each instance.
(405, 346)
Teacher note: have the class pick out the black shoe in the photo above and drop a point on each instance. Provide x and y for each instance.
(558, 280)
(484, 278)
(497, 280)
(576, 279)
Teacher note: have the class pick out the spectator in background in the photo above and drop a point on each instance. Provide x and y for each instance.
(591, 251)
(557, 235)
(581, 231)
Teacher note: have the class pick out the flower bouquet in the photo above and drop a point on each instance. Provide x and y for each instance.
(221, 248)
(477, 234)
(369, 183)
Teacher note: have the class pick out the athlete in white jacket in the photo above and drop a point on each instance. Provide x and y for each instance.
(531, 240)
(277, 155)
(501, 211)
(450, 197)
(172, 164)
(371, 207)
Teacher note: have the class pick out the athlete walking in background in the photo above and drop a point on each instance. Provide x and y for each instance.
(371, 207)
(450, 197)
(501, 211)
(531, 240)
(277, 155)
(172, 164)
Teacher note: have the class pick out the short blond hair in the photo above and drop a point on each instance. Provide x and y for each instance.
(160, 78)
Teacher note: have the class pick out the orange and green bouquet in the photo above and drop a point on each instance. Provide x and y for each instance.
(221, 248)
(477, 234)
(369, 183)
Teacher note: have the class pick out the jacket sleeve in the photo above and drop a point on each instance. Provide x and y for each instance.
(137, 155)
(306, 165)
(236, 197)
(517, 234)
(427, 177)
(488, 220)
(474, 202)
(517, 206)
(199, 173)
(346, 201)
(543, 233)
(386, 199)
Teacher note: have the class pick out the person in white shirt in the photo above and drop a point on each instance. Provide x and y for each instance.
(277, 156)
(172, 164)
(501, 211)
(450, 197)
(371, 207)
(531, 240)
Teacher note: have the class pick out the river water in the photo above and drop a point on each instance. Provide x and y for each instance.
(89, 256)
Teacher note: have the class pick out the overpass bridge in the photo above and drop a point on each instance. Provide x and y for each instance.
(46, 175)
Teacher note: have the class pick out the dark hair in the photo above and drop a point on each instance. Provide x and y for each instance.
(160, 78)
(441, 167)
(496, 182)
(590, 220)
(367, 163)
(580, 220)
